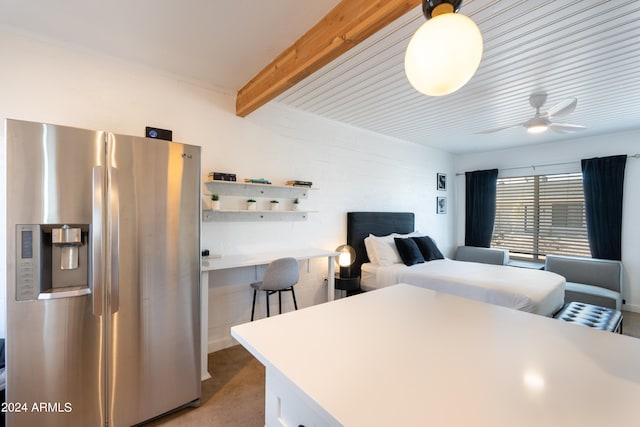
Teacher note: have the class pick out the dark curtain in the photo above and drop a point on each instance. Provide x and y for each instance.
(480, 207)
(603, 181)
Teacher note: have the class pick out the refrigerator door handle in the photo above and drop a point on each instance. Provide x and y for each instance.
(115, 241)
(96, 240)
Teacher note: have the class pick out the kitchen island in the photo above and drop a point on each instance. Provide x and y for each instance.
(409, 356)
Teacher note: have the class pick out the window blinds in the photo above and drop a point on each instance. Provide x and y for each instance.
(537, 215)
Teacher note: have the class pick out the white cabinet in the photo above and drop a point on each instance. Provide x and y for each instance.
(287, 406)
(234, 195)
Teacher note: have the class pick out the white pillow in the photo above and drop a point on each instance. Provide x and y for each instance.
(369, 245)
(382, 250)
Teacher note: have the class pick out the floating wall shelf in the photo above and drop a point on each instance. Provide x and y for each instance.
(255, 191)
(232, 188)
(246, 215)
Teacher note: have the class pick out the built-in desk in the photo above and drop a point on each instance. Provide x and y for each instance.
(248, 260)
(408, 356)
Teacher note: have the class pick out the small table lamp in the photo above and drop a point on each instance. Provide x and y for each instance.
(346, 259)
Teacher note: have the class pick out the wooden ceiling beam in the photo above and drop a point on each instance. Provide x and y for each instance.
(348, 24)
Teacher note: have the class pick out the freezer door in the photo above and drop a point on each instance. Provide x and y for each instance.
(53, 360)
(153, 267)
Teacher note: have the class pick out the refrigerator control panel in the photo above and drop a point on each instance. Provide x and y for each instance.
(27, 268)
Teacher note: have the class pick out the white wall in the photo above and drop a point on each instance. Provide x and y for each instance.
(556, 155)
(353, 169)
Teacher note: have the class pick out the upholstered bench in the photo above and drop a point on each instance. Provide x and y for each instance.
(593, 316)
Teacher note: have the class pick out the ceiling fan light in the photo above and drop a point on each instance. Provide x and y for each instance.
(443, 54)
(537, 128)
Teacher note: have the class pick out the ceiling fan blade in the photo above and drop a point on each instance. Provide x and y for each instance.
(499, 129)
(565, 127)
(563, 108)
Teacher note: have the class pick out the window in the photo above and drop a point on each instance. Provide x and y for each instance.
(537, 215)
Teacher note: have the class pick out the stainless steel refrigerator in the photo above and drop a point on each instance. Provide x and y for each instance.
(103, 251)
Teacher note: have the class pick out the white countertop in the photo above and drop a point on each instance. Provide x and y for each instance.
(407, 356)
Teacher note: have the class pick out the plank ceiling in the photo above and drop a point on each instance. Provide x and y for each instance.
(567, 48)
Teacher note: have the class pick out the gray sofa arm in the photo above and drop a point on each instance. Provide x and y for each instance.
(482, 255)
(589, 280)
(590, 271)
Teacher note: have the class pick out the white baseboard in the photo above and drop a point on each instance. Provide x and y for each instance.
(631, 307)
(221, 344)
(212, 347)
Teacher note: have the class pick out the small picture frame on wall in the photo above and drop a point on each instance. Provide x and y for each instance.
(441, 205)
(441, 180)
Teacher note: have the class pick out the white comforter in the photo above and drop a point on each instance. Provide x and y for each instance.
(534, 291)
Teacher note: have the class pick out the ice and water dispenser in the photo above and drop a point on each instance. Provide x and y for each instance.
(52, 261)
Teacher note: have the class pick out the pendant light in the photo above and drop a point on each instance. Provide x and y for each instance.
(445, 52)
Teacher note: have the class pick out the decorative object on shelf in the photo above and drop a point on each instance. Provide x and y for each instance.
(346, 259)
(257, 180)
(275, 205)
(445, 52)
(251, 205)
(296, 204)
(441, 205)
(298, 183)
(222, 176)
(215, 202)
(441, 180)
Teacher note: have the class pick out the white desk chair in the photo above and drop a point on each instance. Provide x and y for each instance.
(280, 277)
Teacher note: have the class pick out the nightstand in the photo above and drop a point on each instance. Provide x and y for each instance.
(349, 284)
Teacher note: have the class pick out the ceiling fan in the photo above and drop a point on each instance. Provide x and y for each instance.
(540, 122)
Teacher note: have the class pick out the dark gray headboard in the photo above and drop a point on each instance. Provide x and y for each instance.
(361, 224)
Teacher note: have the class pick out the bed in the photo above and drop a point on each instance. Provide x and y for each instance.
(534, 291)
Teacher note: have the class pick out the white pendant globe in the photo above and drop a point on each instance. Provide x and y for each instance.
(443, 54)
